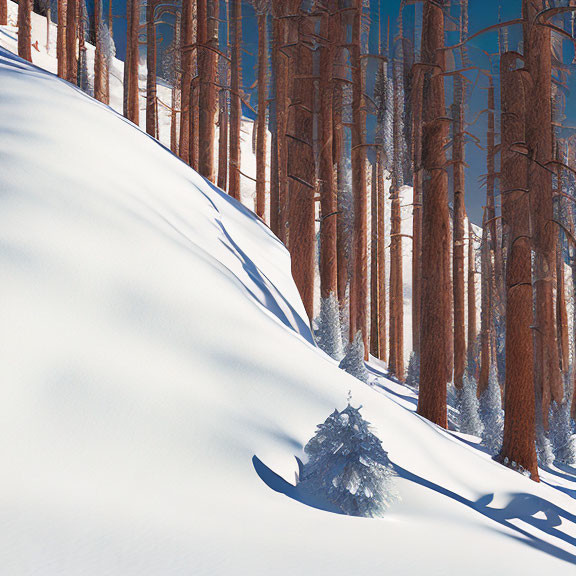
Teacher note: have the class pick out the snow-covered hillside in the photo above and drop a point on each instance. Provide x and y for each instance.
(159, 377)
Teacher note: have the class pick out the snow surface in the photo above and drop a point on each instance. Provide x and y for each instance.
(159, 377)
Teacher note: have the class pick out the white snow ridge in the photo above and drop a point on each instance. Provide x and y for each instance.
(157, 370)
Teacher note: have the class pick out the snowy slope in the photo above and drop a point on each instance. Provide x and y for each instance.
(153, 343)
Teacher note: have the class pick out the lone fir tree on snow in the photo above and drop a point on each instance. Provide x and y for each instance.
(347, 466)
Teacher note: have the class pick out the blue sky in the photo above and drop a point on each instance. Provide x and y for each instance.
(482, 13)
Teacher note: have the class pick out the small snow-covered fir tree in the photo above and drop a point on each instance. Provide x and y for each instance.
(562, 437)
(469, 407)
(108, 46)
(413, 372)
(544, 450)
(328, 334)
(353, 362)
(347, 466)
(492, 414)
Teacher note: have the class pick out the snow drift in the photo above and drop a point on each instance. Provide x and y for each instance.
(159, 377)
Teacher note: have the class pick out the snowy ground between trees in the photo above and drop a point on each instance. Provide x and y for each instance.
(159, 380)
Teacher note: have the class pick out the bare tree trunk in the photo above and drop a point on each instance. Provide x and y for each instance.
(327, 176)
(71, 41)
(174, 118)
(417, 211)
(374, 284)
(435, 221)
(277, 42)
(486, 327)
(488, 252)
(194, 107)
(82, 65)
(61, 52)
(194, 120)
(359, 281)
(538, 60)
(187, 39)
(3, 12)
(207, 103)
(176, 97)
(518, 445)
(108, 59)
(224, 79)
(25, 30)
(342, 233)
(99, 64)
(262, 133)
(472, 323)
(458, 158)
(48, 23)
(396, 362)
(223, 141)
(301, 166)
(151, 92)
(131, 95)
(235, 96)
(381, 256)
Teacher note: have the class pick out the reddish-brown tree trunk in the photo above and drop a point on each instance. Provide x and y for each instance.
(3, 12)
(458, 160)
(519, 403)
(25, 30)
(538, 61)
(301, 166)
(174, 116)
(151, 91)
(176, 106)
(328, 205)
(71, 41)
(224, 76)
(61, 52)
(486, 356)
(359, 280)
(488, 252)
(235, 96)
(396, 362)
(262, 133)
(99, 64)
(274, 176)
(223, 141)
(342, 232)
(472, 322)
(187, 39)
(194, 120)
(381, 257)
(131, 95)
(417, 211)
(374, 284)
(207, 11)
(435, 221)
(194, 107)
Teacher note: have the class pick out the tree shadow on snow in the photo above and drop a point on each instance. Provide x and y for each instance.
(278, 484)
(523, 507)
